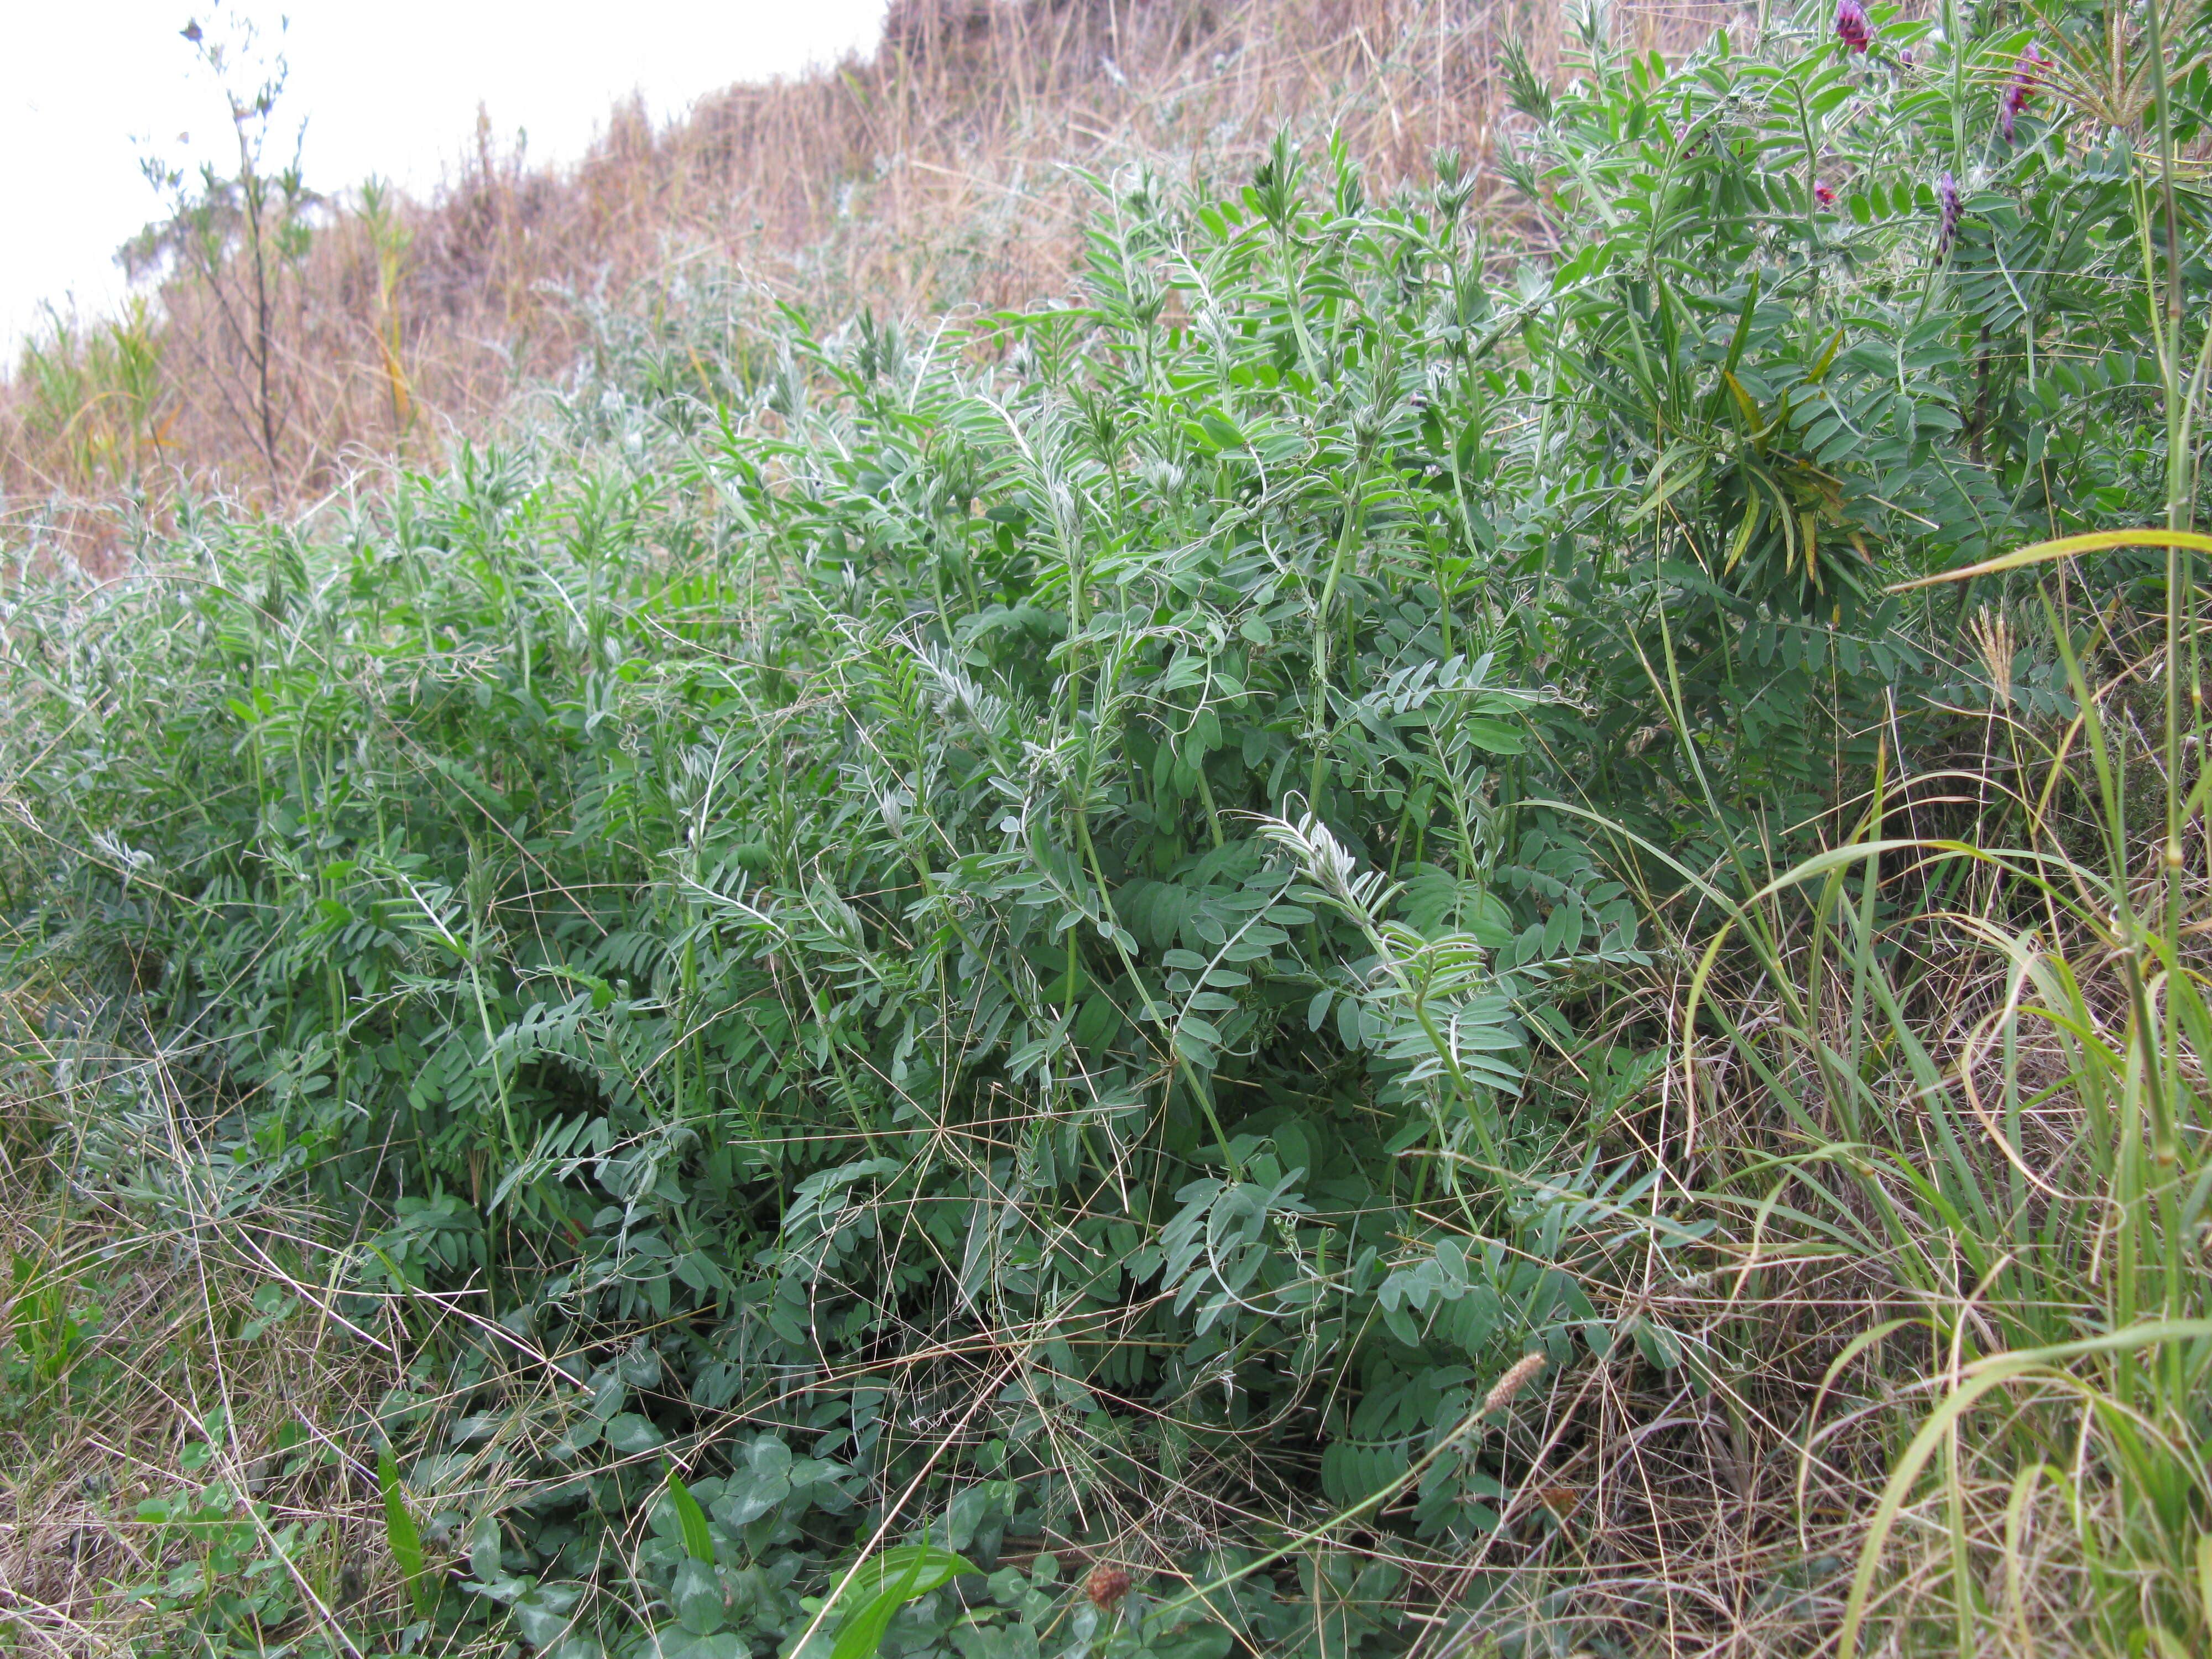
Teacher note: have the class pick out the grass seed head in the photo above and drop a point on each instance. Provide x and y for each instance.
(1517, 1377)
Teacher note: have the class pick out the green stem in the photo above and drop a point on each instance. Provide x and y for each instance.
(1318, 724)
(1954, 41)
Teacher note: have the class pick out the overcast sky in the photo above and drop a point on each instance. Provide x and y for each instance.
(390, 87)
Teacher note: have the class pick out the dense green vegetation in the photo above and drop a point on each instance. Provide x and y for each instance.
(1064, 936)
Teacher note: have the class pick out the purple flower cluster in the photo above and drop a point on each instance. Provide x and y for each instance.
(2026, 74)
(1852, 28)
(1946, 194)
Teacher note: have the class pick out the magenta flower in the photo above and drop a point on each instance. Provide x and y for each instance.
(2027, 75)
(1823, 195)
(1852, 28)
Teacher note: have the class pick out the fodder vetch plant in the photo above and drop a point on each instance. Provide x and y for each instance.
(1406, 933)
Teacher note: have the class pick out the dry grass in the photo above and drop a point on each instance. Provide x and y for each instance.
(205, 1353)
(223, 1347)
(84, 1453)
(942, 173)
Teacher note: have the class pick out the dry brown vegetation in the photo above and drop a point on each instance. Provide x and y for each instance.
(165, 1370)
(945, 172)
(179, 1338)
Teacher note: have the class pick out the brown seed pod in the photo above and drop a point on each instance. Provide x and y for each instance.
(1105, 1586)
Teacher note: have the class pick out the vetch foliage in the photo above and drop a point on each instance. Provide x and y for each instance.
(1029, 944)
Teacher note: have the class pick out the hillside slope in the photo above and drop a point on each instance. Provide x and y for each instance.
(938, 175)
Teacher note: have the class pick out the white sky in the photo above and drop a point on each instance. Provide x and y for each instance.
(389, 88)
